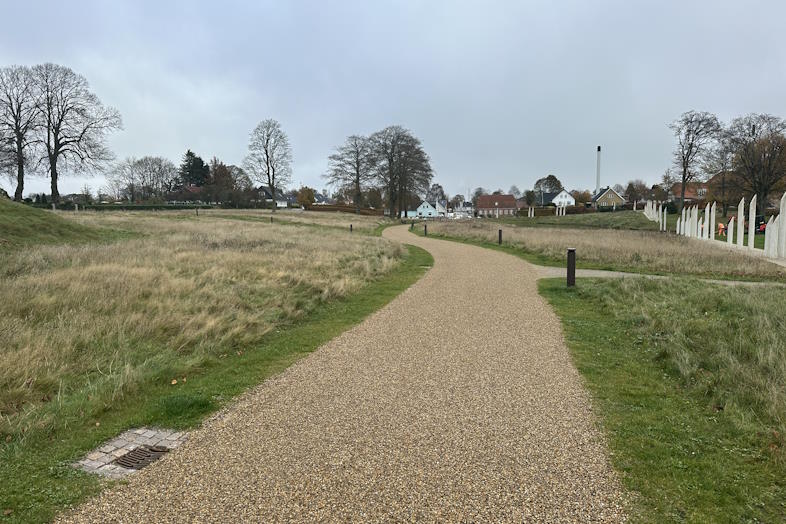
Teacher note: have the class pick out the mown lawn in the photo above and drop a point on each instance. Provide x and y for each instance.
(98, 332)
(689, 380)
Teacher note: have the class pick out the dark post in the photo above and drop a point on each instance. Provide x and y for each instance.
(197, 211)
(271, 220)
(425, 230)
(500, 238)
(350, 228)
(571, 266)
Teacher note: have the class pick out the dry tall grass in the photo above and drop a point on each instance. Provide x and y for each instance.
(638, 251)
(99, 320)
(319, 218)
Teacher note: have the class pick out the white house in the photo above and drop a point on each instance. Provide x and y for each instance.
(432, 210)
(563, 199)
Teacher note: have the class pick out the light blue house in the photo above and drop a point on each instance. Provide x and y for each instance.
(432, 210)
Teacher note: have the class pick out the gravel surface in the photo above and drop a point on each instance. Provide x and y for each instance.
(456, 402)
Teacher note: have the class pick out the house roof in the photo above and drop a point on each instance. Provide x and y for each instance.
(605, 190)
(496, 201)
(691, 189)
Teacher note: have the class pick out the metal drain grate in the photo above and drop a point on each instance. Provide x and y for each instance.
(140, 457)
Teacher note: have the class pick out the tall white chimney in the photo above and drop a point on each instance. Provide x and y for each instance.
(597, 174)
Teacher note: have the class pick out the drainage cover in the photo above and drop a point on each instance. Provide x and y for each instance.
(140, 457)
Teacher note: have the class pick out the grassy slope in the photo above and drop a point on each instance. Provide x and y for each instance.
(543, 260)
(35, 474)
(607, 220)
(22, 225)
(686, 381)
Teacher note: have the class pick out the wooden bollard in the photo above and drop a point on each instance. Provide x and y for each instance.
(425, 230)
(500, 238)
(571, 266)
(350, 228)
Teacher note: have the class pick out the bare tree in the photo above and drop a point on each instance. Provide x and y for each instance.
(19, 113)
(695, 132)
(636, 190)
(717, 165)
(352, 167)
(143, 178)
(74, 123)
(436, 193)
(401, 165)
(759, 153)
(269, 159)
(515, 191)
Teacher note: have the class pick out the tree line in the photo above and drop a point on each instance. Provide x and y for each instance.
(51, 122)
(390, 165)
(747, 156)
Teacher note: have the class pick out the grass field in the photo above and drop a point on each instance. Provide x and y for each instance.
(622, 250)
(616, 220)
(95, 333)
(690, 382)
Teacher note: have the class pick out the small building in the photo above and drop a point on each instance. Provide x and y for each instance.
(694, 192)
(432, 209)
(496, 205)
(606, 198)
(560, 199)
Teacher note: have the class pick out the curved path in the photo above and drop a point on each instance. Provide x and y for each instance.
(456, 402)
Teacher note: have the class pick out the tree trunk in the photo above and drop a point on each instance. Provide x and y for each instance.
(272, 189)
(358, 194)
(20, 172)
(53, 176)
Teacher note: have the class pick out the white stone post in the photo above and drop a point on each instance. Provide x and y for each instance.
(782, 229)
(634, 205)
(665, 214)
(752, 224)
(682, 222)
(741, 223)
(730, 232)
(713, 221)
(679, 221)
(704, 234)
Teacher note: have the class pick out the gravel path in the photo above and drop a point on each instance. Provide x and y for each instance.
(456, 402)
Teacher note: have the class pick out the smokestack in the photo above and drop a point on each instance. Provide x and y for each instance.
(597, 174)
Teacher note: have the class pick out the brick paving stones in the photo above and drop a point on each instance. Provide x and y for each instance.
(99, 461)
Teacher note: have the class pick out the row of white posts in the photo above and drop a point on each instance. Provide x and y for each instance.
(559, 211)
(656, 212)
(692, 223)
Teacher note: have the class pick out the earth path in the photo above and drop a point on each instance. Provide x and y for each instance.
(457, 401)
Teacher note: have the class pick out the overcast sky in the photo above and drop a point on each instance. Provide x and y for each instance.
(500, 93)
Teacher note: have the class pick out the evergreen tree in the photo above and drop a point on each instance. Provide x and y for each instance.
(193, 170)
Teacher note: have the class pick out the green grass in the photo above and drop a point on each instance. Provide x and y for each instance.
(35, 473)
(22, 225)
(689, 382)
(605, 220)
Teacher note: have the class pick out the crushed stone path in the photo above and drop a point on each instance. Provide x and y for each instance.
(457, 401)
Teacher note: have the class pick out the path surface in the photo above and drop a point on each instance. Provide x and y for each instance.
(456, 402)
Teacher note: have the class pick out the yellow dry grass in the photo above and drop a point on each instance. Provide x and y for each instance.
(101, 319)
(624, 250)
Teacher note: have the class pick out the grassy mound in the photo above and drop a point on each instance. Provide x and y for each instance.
(616, 220)
(22, 225)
